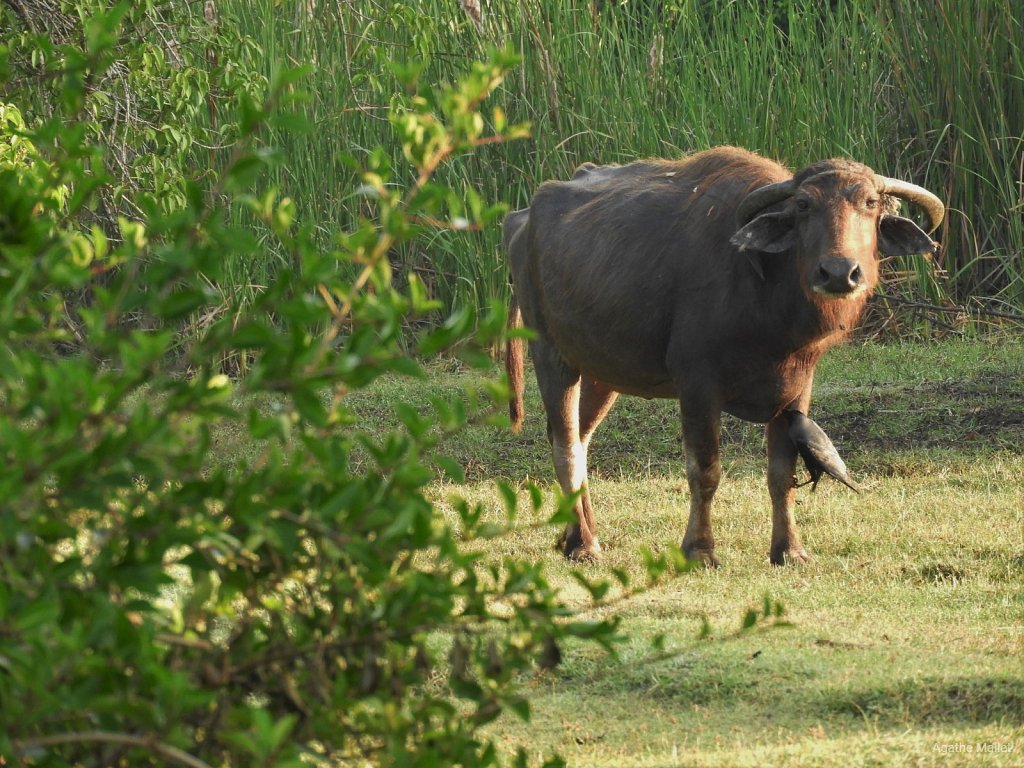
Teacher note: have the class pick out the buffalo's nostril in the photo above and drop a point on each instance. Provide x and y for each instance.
(856, 275)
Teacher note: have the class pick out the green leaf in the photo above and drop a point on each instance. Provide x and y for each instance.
(184, 301)
(245, 169)
(249, 114)
(598, 589)
(455, 328)
(452, 469)
(42, 612)
(510, 499)
(309, 404)
(417, 425)
(536, 497)
(253, 334)
(283, 77)
(520, 706)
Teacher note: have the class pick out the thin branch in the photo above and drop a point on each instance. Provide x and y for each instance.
(316, 527)
(109, 737)
(955, 310)
(185, 642)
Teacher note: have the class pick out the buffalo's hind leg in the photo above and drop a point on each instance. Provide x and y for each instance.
(596, 399)
(565, 397)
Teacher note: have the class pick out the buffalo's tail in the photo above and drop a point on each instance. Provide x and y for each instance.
(514, 366)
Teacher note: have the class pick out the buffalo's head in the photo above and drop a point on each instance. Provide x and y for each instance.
(837, 217)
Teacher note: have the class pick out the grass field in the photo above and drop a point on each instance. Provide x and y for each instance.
(907, 627)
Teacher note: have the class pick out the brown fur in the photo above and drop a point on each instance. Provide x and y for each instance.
(638, 279)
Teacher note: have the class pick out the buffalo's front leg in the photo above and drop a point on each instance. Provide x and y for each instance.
(701, 431)
(782, 455)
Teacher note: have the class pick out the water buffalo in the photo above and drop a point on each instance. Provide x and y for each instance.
(719, 280)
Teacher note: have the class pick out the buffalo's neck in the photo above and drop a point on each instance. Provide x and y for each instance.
(809, 327)
(811, 324)
(766, 362)
(832, 321)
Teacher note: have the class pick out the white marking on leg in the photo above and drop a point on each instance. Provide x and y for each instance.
(570, 466)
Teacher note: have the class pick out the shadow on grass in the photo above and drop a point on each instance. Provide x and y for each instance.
(796, 690)
(744, 707)
(892, 428)
(975, 700)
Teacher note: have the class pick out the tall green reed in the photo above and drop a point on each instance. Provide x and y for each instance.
(959, 68)
(932, 93)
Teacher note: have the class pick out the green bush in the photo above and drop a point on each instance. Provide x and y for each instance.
(161, 604)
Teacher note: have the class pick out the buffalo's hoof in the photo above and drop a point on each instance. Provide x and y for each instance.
(789, 556)
(705, 556)
(584, 555)
(575, 549)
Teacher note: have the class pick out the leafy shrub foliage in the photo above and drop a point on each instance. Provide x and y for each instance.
(162, 604)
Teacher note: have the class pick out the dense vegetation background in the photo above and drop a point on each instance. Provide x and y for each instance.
(220, 221)
(932, 92)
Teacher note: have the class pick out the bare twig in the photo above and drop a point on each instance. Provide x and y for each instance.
(953, 310)
(185, 642)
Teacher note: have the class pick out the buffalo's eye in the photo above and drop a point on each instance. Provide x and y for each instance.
(871, 203)
(803, 205)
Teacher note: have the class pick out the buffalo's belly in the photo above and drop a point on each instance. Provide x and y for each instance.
(614, 340)
(623, 369)
(760, 394)
(750, 386)
(756, 412)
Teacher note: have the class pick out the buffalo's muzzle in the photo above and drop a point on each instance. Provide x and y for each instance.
(838, 276)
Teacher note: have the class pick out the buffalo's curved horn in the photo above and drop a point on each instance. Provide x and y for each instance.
(760, 198)
(914, 194)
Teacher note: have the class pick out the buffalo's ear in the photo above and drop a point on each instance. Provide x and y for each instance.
(898, 236)
(768, 233)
